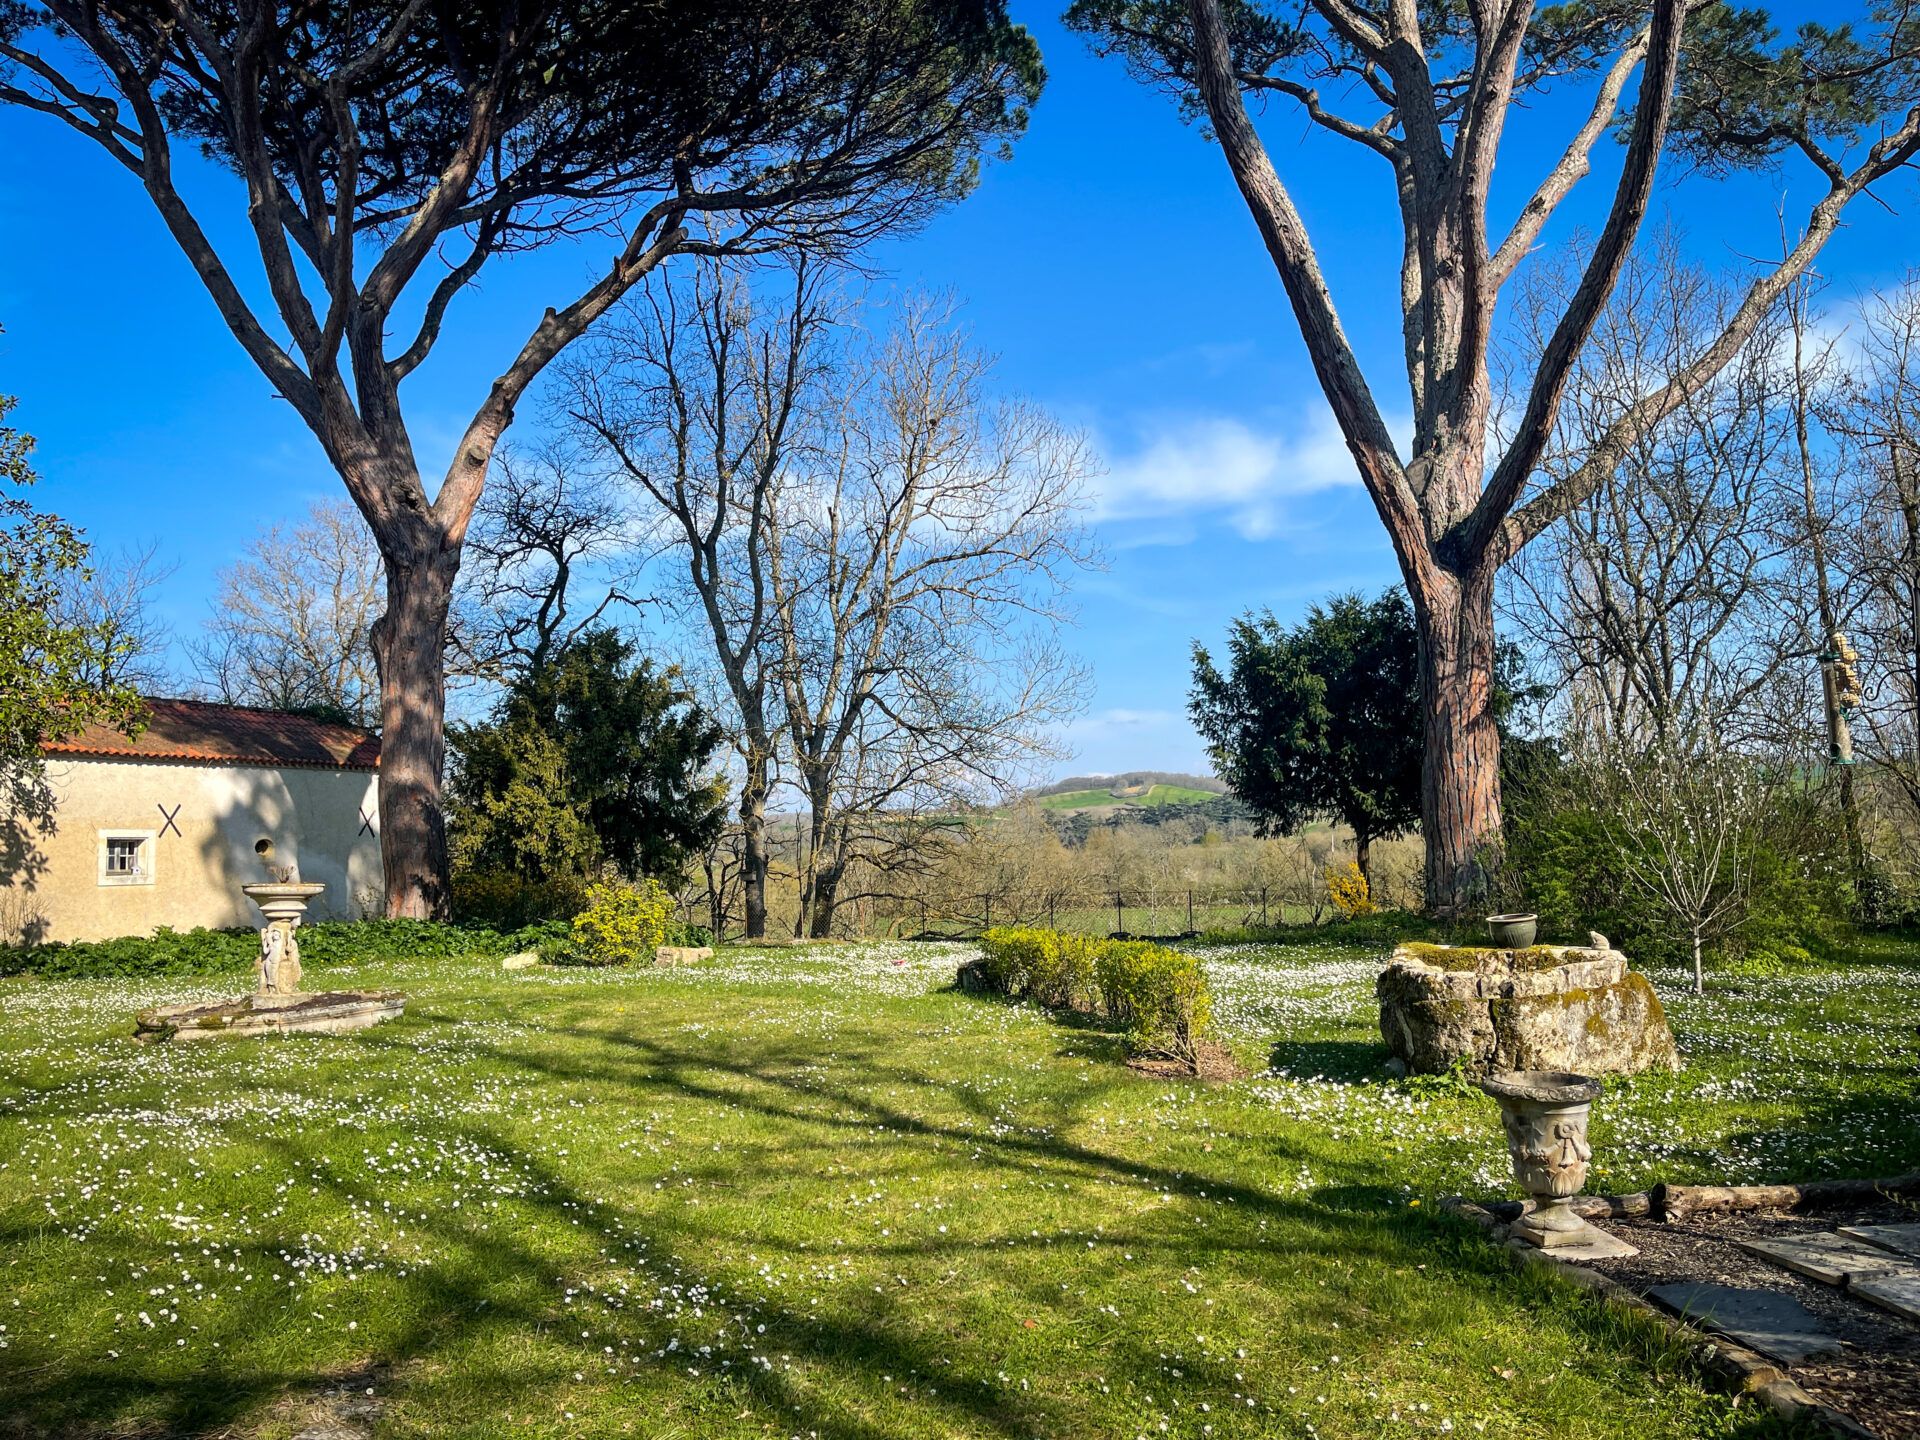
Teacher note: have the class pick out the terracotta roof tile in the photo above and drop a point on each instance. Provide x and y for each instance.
(229, 734)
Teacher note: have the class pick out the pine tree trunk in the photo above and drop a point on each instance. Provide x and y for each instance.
(409, 645)
(1460, 772)
(1363, 857)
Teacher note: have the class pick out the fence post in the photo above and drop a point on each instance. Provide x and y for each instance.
(1263, 905)
(1190, 912)
(1119, 920)
(1052, 922)
(989, 912)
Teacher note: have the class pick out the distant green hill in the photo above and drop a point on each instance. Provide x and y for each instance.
(1134, 780)
(1128, 797)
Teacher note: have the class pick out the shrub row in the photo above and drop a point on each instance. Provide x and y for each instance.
(323, 945)
(1156, 995)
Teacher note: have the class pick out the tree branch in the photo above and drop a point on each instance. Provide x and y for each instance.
(1476, 532)
(1572, 167)
(1292, 252)
(1891, 153)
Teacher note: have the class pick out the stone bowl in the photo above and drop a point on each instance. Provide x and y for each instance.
(1542, 1087)
(1513, 932)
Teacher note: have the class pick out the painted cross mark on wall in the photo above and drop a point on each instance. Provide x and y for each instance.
(366, 823)
(167, 817)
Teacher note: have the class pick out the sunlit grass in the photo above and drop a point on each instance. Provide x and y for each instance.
(816, 1193)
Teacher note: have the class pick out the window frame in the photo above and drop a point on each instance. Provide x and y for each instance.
(147, 849)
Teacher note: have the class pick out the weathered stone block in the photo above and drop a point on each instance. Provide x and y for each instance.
(1548, 1007)
(974, 977)
(681, 954)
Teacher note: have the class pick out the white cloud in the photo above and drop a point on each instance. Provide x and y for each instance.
(1115, 740)
(1224, 467)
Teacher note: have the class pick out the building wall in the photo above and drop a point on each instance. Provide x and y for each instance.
(221, 812)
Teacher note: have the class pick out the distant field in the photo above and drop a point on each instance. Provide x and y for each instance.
(1158, 795)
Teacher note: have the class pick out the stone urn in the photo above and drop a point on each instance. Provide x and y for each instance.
(284, 904)
(1545, 1113)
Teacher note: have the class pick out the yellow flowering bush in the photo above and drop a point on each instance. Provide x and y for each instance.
(1347, 889)
(622, 924)
(1045, 965)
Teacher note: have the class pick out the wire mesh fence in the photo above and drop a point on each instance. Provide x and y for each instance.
(1113, 912)
(1158, 913)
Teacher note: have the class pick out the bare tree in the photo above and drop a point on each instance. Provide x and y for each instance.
(870, 549)
(117, 592)
(1655, 604)
(1428, 90)
(1687, 818)
(1877, 412)
(693, 394)
(550, 558)
(1817, 527)
(919, 563)
(386, 151)
(290, 623)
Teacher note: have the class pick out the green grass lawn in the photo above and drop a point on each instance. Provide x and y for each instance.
(816, 1193)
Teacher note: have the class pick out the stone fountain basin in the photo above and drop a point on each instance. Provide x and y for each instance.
(330, 1012)
(1540, 1008)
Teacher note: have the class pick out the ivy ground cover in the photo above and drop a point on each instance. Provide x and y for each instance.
(818, 1193)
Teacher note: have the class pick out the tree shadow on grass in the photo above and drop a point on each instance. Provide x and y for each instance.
(1344, 1060)
(498, 1286)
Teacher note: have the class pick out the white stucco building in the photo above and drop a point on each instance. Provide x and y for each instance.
(164, 827)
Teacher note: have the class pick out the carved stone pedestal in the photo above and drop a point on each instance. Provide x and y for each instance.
(278, 1006)
(284, 904)
(1545, 1115)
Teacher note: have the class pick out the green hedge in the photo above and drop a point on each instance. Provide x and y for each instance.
(323, 945)
(1156, 995)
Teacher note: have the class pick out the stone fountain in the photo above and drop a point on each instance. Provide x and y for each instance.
(1544, 1113)
(277, 1005)
(283, 901)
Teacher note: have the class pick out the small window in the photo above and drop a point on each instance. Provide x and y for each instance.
(126, 857)
(123, 856)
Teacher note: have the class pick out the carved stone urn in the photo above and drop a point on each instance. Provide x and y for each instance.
(1545, 1115)
(284, 904)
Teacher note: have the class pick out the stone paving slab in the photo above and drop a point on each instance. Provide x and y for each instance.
(1588, 1243)
(1830, 1259)
(1901, 1239)
(1773, 1323)
(1898, 1292)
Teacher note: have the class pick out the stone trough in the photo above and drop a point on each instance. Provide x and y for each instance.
(330, 1012)
(1546, 1007)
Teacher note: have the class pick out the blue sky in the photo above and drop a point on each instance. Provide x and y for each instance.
(1110, 264)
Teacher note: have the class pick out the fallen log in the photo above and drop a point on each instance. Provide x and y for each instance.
(1674, 1203)
(1587, 1207)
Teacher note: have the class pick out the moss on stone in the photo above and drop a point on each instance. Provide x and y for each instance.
(1471, 957)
